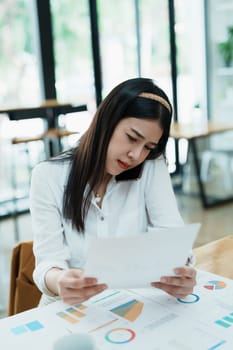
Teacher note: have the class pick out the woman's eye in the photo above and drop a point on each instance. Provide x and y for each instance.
(131, 138)
(149, 148)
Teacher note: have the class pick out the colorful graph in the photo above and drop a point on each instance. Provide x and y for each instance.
(190, 299)
(214, 347)
(226, 321)
(73, 314)
(130, 310)
(212, 285)
(120, 335)
(108, 296)
(31, 326)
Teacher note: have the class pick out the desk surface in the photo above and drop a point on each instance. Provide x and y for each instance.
(192, 131)
(46, 104)
(50, 133)
(49, 110)
(216, 257)
(136, 319)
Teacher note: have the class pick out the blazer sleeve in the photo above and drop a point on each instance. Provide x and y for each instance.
(161, 203)
(50, 248)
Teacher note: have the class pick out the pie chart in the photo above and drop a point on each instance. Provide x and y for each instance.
(120, 335)
(189, 299)
(213, 285)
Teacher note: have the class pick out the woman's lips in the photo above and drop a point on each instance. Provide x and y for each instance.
(123, 165)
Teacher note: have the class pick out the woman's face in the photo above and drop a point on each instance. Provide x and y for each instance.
(130, 144)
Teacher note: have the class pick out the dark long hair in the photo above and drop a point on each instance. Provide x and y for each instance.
(88, 158)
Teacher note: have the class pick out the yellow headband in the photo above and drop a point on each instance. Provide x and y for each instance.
(156, 98)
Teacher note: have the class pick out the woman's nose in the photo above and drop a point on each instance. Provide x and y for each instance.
(135, 153)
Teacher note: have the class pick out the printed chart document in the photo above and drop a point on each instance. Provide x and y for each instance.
(136, 261)
(133, 319)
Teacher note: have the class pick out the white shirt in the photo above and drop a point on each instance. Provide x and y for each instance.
(128, 208)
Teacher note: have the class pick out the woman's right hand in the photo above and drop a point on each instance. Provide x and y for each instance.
(73, 287)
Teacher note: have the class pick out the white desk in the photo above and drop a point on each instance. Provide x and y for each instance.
(139, 319)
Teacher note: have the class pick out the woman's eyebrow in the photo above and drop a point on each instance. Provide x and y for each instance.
(142, 137)
(137, 133)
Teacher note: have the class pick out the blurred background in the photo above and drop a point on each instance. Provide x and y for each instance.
(59, 59)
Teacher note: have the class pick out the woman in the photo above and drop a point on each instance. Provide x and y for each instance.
(114, 183)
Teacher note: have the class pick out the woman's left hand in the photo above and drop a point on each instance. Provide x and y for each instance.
(178, 286)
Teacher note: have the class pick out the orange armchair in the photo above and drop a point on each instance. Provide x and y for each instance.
(23, 294)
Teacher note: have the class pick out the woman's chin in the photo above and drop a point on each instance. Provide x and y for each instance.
(115, 172)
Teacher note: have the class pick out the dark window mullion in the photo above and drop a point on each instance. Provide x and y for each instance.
(173, 55)
(46, 51)
(173, 59)
(96, 50)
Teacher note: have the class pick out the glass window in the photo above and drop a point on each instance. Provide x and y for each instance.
(191, 81)
(19, 84)
(118, 43)
(155, 52)
(72, 45)
(220, 68)
(155, 47)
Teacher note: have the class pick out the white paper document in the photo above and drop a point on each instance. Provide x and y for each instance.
(136, 261)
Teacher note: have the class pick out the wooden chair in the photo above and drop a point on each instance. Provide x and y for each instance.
(23, 294)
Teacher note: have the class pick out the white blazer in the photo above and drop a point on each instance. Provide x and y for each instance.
(128, 208)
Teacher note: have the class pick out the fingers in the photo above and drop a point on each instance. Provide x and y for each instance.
(72, 296)
(179, 286)
(73, 287)
(179, 281)
(175, 291)
(77, 283)
(186, 271)
(74, 278)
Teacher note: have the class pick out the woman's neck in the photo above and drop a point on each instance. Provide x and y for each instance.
(100, 190)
